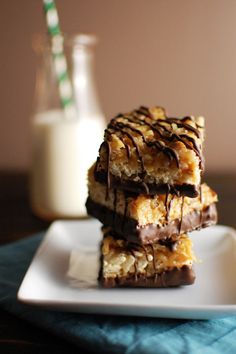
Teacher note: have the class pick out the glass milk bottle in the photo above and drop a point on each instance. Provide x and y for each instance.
(63, 149)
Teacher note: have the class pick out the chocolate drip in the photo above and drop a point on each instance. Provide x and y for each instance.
(106, 233)
(137, 120)
(181, 216)
(169, 243)
(125, 213)
(127, 148)
(137, 247)
(201, 200)
(159, 145)
(181, 124)
(139, 155)
(184, 138)
(186, 126)
(187, 118)
(135, 264)
(193, 147)
(145, 111)
(145, 187)
(166, 203)
(131, 247)
(108, 168)
(170, 204)
(114, 205)
(153, 258)
(145, 251)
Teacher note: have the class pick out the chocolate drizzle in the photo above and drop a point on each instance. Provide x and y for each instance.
(135, 263)
(153, 257)
(165, 135)
(170, 243)
(167, 205)
(114, 205)
(181, 216)
(146, 188)
(108, 167)
(126, 147)
(125, 212)
(171, 136)
(146, 255)
(131, 247)
(201, 200)
(158, 144)
(184, 125)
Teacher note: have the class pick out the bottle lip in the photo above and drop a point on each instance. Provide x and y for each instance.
(85, 39)
(42, 41)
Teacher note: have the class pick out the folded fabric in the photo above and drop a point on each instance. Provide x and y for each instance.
(110, 334)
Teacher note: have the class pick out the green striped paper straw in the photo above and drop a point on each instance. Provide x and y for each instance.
(60, 64)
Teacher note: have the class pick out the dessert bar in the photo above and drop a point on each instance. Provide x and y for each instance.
(146, 219)
(162, 264)
(144, 151)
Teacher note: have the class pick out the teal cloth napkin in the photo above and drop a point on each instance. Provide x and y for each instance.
(110, 334)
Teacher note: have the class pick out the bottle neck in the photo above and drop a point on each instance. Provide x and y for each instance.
(85, 93)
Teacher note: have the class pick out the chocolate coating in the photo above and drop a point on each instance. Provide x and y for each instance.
(130, 230)
(172, 278)
(187, 190)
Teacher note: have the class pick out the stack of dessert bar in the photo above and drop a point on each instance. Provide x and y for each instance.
(145, 188)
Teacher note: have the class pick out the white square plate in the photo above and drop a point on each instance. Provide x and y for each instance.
(213, 294)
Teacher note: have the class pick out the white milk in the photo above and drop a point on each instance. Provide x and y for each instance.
(63, 150)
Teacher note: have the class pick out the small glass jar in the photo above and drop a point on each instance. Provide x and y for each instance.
(62, 149)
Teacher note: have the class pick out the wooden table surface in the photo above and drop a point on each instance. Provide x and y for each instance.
(17, 221)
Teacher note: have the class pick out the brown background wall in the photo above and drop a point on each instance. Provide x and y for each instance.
(179, 54)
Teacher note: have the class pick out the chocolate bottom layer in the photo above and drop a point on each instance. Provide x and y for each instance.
(135, 187)
(171, 278)
(130, 230)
